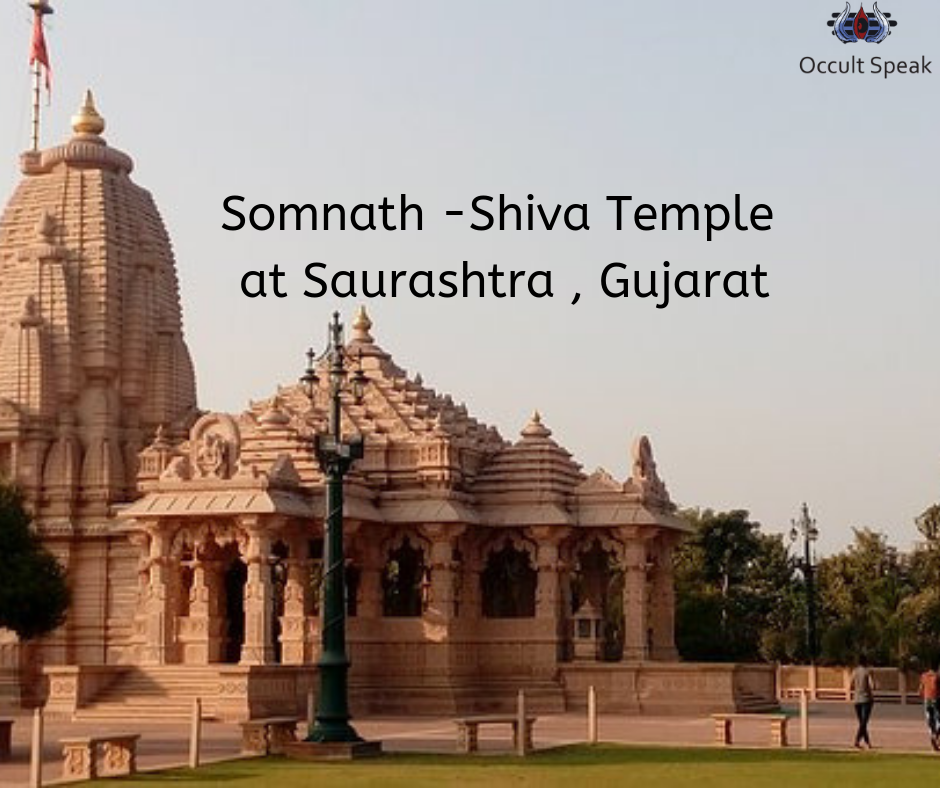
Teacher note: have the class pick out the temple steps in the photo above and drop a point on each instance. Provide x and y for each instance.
(750, 702)
(159, 693)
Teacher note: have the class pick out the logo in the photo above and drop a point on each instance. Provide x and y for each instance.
(850, 28)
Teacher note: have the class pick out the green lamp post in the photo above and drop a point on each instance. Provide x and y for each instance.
(336, 457)
(805, 527)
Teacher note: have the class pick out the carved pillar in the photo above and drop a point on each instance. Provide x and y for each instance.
(370, 577)
(205, 622)
(548, 590)
(258, 648)
(664, 613)
(440, 609)
(159, 614)
(294, 641)
(635, 599)
(138, 640)
(548, 607)
(471, 591)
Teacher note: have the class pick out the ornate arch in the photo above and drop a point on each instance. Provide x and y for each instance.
(498, 541)
(397, 539)
(405, 574)
(583, 541)
(509, 576)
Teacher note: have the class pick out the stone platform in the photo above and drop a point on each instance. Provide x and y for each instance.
(235, 693)
(336, 751)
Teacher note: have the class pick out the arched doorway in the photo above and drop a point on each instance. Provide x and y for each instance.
(599, 579)
(508, 583)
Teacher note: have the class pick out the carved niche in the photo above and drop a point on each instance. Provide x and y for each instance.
(215, 444)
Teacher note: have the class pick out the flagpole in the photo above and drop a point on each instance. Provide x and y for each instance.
(37, 83)
(40, 8)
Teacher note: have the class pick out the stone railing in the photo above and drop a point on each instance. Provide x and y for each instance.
(835, 683)
(72, 686)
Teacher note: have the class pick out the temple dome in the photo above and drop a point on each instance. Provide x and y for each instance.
(101, 362)
(534, 472)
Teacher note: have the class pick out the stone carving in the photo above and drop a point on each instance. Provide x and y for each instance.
(212, 456)
(214, 446)
(645, 476)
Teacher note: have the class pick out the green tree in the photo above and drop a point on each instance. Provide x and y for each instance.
(734, 589)
(860, 591)
(33, 590)
(919, 611)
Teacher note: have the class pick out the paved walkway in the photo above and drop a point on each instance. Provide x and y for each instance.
(832, 726)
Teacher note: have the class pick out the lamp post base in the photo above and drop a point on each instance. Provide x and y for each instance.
(333, 732)
(333, 751)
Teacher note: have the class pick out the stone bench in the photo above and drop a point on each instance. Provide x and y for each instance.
(468, 730)
(724, 722)
(88, 757)
(6, 738)
(268, 735)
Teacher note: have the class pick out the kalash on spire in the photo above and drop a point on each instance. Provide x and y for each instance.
(92, 355)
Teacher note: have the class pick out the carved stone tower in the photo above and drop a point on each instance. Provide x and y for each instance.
(92, 356)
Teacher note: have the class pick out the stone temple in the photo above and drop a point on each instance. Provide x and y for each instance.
(476, 565)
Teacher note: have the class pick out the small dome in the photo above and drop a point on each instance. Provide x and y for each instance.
(535, 465)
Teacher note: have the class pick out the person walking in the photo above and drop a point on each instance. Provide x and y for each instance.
(863, 690)
(929, 690)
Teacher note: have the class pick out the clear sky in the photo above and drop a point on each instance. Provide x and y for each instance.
(827, 391)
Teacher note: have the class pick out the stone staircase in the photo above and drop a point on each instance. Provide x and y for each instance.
(750, 702)
(162, 693)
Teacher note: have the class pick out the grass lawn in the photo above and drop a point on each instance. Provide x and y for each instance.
(575, 767)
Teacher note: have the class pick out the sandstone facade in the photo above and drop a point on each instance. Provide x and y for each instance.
(194, 540)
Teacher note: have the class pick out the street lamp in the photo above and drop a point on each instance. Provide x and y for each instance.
(336, 457)
(805, 526)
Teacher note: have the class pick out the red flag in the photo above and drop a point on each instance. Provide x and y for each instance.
(38, 53)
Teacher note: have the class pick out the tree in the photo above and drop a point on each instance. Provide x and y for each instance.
(735, 590)
(34, 594)
(860, 592)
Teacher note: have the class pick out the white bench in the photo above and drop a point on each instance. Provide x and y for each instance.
(88, 757)
(468, 728)
(723, 727)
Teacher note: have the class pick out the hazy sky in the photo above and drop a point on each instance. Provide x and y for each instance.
(828, 391)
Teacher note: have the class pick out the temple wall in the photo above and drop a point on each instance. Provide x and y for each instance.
(121, 598)
(415, 648)
(103, 585)
(670, 688)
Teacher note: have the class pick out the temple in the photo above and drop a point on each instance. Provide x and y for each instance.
(193, 540)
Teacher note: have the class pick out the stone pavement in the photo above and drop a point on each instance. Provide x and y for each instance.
(832, 726)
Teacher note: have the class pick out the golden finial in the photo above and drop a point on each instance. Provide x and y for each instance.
(88, 123)
(361, 326)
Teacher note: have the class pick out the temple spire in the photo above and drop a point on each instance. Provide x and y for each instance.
(39, 60)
